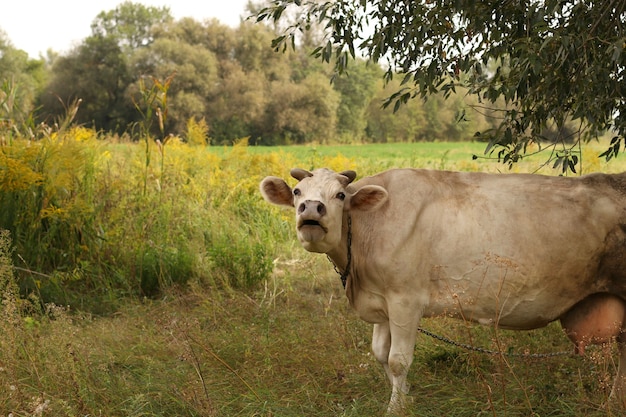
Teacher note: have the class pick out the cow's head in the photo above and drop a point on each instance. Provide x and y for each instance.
(320, 198)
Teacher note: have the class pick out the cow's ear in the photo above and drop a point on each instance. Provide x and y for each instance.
(368, 198)
(276, 191)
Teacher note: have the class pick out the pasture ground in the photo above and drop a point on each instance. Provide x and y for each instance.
(290, 347)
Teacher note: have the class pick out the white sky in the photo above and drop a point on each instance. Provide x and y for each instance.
(39, 25)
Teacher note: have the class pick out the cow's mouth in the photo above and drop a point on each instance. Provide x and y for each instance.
(310, 230)
(311, 223)
(312, 233)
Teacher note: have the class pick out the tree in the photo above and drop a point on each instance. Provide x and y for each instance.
(96, 73)
(554, 60)
(195, 75)
(99, 71)
(356, 92)
(301, 112)
(21, 79)
(407, 124)
(236, 106)
(130, 24)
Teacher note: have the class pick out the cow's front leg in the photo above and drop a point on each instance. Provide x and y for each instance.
(403, 331)
(381, 345)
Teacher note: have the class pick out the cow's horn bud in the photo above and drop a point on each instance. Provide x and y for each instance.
(351, 175)
(300, 174)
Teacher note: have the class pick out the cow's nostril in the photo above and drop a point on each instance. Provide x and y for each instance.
(301, 208)
(321, 209)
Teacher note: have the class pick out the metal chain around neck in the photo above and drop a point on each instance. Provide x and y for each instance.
(344, 275)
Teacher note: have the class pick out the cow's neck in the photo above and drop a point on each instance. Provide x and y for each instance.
(341, 256)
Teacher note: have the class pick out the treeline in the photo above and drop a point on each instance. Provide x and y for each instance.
(140, 63)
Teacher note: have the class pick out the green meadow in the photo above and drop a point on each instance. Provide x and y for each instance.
(141, 279)
(460, 156)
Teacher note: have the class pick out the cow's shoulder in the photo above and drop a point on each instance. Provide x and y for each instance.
(615, 182)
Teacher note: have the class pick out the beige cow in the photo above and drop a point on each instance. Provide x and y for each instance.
(516, 251)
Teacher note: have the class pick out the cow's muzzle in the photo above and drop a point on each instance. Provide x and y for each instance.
(310, 220)
(310, 208)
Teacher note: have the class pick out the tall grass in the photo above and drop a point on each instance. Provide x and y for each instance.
(94, 222)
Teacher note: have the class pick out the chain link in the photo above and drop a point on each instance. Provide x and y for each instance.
(493, 352)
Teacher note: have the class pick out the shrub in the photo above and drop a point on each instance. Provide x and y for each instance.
(95, 220)
(238, 261)
(161, 267)
(197, 132)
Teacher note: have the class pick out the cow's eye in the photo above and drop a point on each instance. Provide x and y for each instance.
(341, 196)
(296, 192)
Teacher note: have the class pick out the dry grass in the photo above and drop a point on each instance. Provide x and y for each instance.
(291, 348)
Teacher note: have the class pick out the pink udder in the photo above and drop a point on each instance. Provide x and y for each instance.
(595, 320)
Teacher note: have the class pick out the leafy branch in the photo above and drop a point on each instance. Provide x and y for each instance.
(550, 61)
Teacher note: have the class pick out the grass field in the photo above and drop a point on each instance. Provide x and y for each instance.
(373, 158)
(288, 345)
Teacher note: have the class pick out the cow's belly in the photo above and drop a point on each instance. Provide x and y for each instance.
(509, 286)
(521, 314)
(517, 303)
(524, 316)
